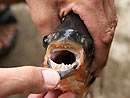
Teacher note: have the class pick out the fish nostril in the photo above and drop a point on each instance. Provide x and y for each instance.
(63, 56)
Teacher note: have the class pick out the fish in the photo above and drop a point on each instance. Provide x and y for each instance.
(69, 51)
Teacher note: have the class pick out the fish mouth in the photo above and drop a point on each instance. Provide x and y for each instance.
(64, 58)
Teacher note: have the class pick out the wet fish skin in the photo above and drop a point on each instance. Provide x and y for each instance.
(72, 29)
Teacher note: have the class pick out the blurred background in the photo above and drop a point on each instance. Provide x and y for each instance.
(115, 80)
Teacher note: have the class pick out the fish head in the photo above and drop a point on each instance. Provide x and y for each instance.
(70, 53)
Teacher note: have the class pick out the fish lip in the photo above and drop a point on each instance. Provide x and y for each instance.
(64, 73)
(77, 53)
(75, 48)
(76, 62)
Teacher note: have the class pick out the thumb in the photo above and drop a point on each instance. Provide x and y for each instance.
(27, 80)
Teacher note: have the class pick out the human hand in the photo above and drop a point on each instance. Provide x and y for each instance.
(54, 94)
(99, 17)
(25, 80)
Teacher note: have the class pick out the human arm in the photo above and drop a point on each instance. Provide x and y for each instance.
(25, 80)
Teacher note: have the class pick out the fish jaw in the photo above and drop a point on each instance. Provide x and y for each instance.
(59, 54)
(76, 80)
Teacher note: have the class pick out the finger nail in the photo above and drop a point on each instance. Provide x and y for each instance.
(51, 77)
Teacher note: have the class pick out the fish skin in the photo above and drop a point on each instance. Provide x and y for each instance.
(69, 34)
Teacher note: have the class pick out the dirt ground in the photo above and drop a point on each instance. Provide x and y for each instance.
(115, 80)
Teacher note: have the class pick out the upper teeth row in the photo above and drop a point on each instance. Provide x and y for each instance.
(61, 67)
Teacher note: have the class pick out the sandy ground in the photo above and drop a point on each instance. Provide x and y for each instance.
(115, 81)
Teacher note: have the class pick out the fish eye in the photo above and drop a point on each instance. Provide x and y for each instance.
(45, 41)
(89, 47)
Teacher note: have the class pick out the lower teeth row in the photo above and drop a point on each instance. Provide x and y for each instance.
(60, 67)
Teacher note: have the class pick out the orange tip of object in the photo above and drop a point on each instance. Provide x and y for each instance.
(44, 65)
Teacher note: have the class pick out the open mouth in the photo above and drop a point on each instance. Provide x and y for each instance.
(64, 59)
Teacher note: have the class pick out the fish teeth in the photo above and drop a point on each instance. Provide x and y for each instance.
(54, 65)
(68, 66)
(62, 66)
(58, 66)
(74, 63)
